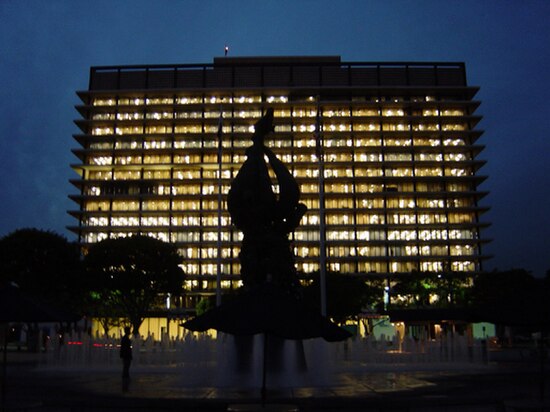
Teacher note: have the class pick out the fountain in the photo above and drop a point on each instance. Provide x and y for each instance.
(271, 302)
(215, 354)
(251, 325)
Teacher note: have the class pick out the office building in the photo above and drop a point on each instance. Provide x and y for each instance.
(400, 161)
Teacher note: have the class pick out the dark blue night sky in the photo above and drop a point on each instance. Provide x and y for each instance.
(47, 48)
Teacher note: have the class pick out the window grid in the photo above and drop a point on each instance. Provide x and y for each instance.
(400, 175)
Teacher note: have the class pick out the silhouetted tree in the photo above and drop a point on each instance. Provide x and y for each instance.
(417, 286)
(346, 296)
(132, 275)
(513, 298)
(422, 289)
(106, 312)
(204, 305)
(44, 265)
(504, 289)
(452, 289)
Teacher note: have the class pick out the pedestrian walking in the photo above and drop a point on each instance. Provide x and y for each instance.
(126, 352)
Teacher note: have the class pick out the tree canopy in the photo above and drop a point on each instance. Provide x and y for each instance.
(44, 265)
(346, 296)
(131, 275)
(512, 297)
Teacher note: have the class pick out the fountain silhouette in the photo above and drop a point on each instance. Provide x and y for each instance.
(271, 302)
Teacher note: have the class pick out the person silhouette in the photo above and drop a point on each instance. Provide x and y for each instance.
(126, 352)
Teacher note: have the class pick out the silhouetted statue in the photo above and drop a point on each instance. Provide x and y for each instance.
(267, 264)
(265, 218)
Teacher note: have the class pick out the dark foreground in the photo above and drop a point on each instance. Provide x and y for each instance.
(497, 386)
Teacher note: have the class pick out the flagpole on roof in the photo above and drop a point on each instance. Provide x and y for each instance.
(220, 205)
(322, 223)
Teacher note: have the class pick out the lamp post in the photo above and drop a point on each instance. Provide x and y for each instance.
(322, 223)
(220, 204)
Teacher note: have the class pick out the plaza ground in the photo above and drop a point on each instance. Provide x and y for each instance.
(496, 386)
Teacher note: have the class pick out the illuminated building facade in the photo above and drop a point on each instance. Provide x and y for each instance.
(399, 144)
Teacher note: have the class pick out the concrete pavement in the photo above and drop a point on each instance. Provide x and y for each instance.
(493, 387)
